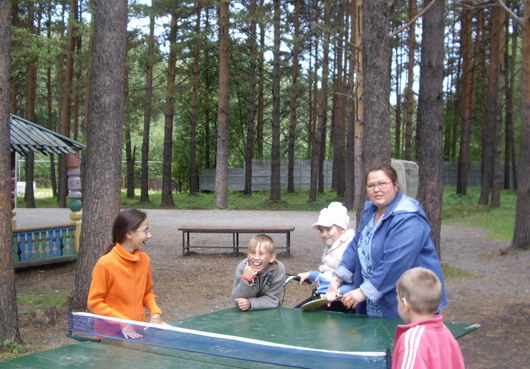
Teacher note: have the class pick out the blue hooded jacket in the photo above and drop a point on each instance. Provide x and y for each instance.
(401, 242)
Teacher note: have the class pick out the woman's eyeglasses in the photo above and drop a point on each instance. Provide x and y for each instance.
(146, 231)
(380, 185)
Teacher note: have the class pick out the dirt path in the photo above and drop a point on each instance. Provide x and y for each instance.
(498, 297)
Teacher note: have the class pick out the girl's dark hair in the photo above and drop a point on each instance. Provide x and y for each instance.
(126, 221)
(386, 168)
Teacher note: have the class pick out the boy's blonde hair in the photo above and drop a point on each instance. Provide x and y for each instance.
(262, 240)
(422, 289)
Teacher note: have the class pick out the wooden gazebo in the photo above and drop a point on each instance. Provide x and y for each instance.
(36, 246)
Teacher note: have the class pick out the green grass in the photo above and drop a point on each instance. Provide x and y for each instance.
(464, 210)
(31, 302)
(456, 209)
(452, 272)
(297, 201)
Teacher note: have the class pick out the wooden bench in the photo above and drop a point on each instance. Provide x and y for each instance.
(235, 231)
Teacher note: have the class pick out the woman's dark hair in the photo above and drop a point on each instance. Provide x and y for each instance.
(386, 168)
(126, 221)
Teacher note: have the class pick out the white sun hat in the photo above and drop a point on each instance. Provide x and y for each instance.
(334, 214)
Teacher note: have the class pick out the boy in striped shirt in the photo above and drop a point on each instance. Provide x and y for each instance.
(424, 341)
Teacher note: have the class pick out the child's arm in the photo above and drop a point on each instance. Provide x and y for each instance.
(271, 298)
(241, 288)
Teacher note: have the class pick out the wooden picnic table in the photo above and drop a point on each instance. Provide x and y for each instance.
(235, 231)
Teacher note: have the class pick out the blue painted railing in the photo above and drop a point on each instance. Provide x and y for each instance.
(37, 246)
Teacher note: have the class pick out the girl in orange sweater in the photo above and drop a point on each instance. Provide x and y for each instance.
(121, 280)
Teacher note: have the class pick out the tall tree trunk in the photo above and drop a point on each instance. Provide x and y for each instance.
(49, 105)
(496, 184)
(359, 110)
(409, 92)
(293, 105)
(221, 165)
(261, 86)
(492, 129)
(167, 193)
(399, 123)
(193, 174)
(351, 106)
(339, 122)
(430, 118)
(521, 234)
(130, 151)
(376, 75)
(105, 134)
(67, 98)
(276, 188)
(467, 108)
(510, 59)
(29, 114)
(251, 109)
(8, 299)
(314, 127)
(148, 101)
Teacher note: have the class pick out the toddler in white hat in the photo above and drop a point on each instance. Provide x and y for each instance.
(332, 223)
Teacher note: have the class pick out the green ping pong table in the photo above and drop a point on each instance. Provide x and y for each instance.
(369, 339)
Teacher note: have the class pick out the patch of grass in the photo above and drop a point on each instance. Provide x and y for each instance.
(452, 272)
(297, 201)
(457, 209)
(31, 302)
(10, 350)
(466, 211)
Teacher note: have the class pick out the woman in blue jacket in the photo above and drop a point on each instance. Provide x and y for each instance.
(393, 236)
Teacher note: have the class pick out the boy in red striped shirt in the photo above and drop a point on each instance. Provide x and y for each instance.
(424, 341)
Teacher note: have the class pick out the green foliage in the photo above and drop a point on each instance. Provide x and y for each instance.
(457, 209)
(12, 347)
(31, 302)
(466, 211)
(452, 272)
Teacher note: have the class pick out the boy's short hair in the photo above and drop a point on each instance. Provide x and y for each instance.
(422, 289)
(262, 240)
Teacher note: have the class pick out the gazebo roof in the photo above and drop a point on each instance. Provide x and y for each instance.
(27, 136)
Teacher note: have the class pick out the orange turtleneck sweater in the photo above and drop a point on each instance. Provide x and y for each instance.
(122, 285)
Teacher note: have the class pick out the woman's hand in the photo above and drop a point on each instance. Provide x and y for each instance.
(304, 277)
(129, 332)
(352, 298)
(243, 303)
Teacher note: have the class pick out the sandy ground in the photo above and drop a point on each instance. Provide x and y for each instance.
(497, 298)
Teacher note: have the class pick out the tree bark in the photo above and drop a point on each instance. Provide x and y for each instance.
(351, 105)
(492, 129)
(339, 116)
(102, 180)
(67, 98)
(376, 75)
(251, 105)
(148, 101)
(509, 141)
(221, 165)
(261, 87)
(193, 174)
(409, 92)
(29, 111)
(276, 119)
(293, 99)
(169, 113)
(8, 299)
(521, 234)
(430, 119)
(467, 107)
